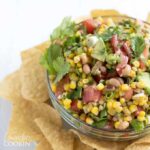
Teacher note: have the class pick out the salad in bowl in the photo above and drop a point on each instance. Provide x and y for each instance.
(99, 72)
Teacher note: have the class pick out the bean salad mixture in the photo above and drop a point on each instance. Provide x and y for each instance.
(99, 70)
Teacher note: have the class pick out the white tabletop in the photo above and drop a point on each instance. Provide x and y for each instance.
(25, 23)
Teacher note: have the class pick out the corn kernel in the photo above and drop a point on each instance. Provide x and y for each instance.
(67, 103)
(76, 115)
(84, 42)
(89, 120)
(100, 86)
(79, 105)
(127, 118)
(79, 64)
(80, 70)
(135, 102)
(76, 59)
(132, 108)
(72, 85)
(133, 85)
(80, 83)
(140, 84)
(67, 87)
(71, 63)
(78, 33)
(90, 49)
(82, 117)
(83, 75)
(141, 113)
(142, 102)
(109, 104)
(134, 69)
(110, 22)
(95, 110)
(126, 111)
(148, 62)
(141, 118)
(52, 77)
(114, 104)
(85, 81)
(125, 87)
(119, 109)
(132, 74)
(117, 124)
(136, 63)
(122, 100)
(53, 86)
(71, 55)
(112, 111)
(73, 77)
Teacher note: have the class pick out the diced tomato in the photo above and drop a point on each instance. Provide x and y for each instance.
(74, 106)
(142, 65)
(122, 64)
(89, 25)
(128, 94)
(138, 110)
(91, 94)
(146, 52)
(60, 85)
(114, 42)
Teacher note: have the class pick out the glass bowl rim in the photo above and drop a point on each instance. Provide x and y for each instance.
(82, 122)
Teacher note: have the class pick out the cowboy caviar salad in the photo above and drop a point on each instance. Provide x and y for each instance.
(100, 71)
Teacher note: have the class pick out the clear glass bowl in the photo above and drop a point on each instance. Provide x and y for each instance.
(101, 133)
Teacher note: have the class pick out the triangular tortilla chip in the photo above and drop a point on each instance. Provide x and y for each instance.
(58, 138)
(10, 87)
(43, 145)
(144, 141)
(22, 120)
(33, 76)
(100, 144)
(100, 12)
(43, 46)
(78, 145)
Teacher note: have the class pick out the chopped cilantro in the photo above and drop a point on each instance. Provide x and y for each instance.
(137, 125)
(76, 94)
(138, 45)
(101, 120)
(65, 29)
(54, 62)
(61, 67)
(107, 35)
(50, 55)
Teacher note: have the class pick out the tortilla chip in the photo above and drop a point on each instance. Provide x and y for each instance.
(43, 145)
(139, 147)
(144, 141)
(43, 46)
(58, 138)
(99, 12)
(78, 145)
(22, 120)
(100, 144)
(148, 18)
(33, 76)
(10, 87)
